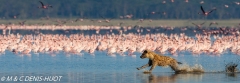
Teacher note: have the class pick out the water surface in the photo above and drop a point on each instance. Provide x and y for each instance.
(102, 68)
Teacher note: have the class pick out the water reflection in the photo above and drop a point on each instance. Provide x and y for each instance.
(126, 77)
(107, 77)
(161, 78)
(232, 74)
(169, 77)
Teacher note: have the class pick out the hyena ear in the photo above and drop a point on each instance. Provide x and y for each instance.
(145, 51)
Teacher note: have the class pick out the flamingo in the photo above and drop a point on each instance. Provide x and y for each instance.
(44, 6)
(206, 13)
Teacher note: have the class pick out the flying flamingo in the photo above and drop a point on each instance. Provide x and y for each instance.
(44, 6)
(213, 23)
(199, 25)
(206, 13)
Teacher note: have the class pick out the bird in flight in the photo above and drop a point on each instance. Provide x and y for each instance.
(44, 6)
(153, 13)
(206, 13)
(106, 20)
(199, 25)
(15, 16)
(213, 23)
(22, 23)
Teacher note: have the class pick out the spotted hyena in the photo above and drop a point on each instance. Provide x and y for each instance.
(158, 60)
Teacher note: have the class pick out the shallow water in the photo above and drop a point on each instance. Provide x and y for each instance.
(101, 68)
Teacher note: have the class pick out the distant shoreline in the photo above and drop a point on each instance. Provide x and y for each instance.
(125, 22)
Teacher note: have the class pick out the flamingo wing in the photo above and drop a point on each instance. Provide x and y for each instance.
(103, 17)
(202, 10)
(211, 10)
(41, 3)
(50, 6)
(210, 24)
(202, 23)
(194, 24)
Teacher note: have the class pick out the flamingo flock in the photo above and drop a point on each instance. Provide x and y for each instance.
(54, 27)
(206, 41)
(124, 44)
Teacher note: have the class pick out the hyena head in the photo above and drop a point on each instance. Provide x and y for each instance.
(146, 54)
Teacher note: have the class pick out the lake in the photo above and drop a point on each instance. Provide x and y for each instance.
(102, 68)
